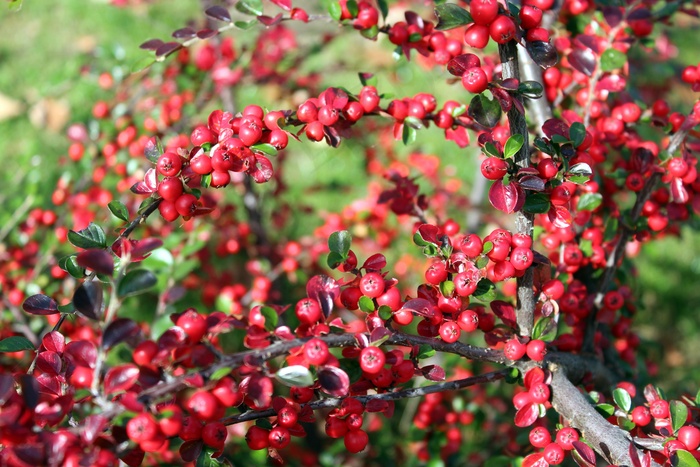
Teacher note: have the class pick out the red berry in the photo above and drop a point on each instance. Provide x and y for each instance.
(279, 437)
(287, 417)
(536, 350)
(308, 311)
(170, 189)
(355, 441)
(372, 359)
(372, 284)
(659, 409)
(194, 325)
(566, 438)
(257, 438)
(169, 164)
(477, 36)
(502, 29)
(494, 168)
(450, 331)
(540, 437)
(214, 434)
(142, 427)
(690, 436)
(641, 416)
(475, 80)
(316, 352)
(554, 454)
(471, 245)
(514, 349)
(203, 405)
(468, 320)
(484, 12)
(540, 393)
(336, 427)
(521, 258)
(186, 205)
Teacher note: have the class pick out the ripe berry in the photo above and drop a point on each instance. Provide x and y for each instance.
(536, 350)
(468, 320)
(477, 36)
(566, 438)
(540, 437)
(355, 441)
(372, 284)
(279, 437)
(494, 168)
(530, 16)
(502, 29)
(308, 311)
(194, 325)
(554, 454)
(316, 352)
(465, 283)
(287, 417)
(659, 409)
(257, 438)
(690, 436)
(391, 298)
(336, 427)
(540, 393)
(521, 258)
(372, 359)
(144, 353)
(307, 112)
(483, 11)
(471, 245)
(170, 189)
(314, 131)
(514, 349)
(641, 416)
(436, 273)
(475, 80)
(142, 428)
(203, 405)
(169, 164)
(186, 205)
(450, 331)
(214, 434)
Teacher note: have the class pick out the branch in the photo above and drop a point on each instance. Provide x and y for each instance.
(525, 307)
(387, 396)
(610, 441)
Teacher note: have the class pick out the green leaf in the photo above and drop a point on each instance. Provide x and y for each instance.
(625, 423)
(577, 133)
(451, 16)
(119, 211)
(513, 145)
(266, 148)
(491, 150)
(135, 282)
(408, 135)
(589, 201)
(334, 9)
(366, 304)
(250, 7)
(383, 8)
(457, 111)
(482, 261)
(220, 373)
(271, 318)
(683, 458)
(536, 203)
(335, 259)
(488, 246)
(425, 351)
(295, 376)
(367, 79)
(612, 59)
(385, 312)
(487, 112)
(485, 291)
(245, 25)
(578, 179)
(340, 242)
(15, 344)
(370, 33)
(544, 146)
(607, 410)
(447, 288)
(414, 122)
(623, 399)
(559, 139)
(70, 265)
(679, 415)
(545, 329)
(531, 89)
(205, 459)
(586, 247)
(90, 237)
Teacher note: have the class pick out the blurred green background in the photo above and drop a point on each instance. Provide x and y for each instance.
(51, 55)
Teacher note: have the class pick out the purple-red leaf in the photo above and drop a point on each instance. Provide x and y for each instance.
(118, 331)
(49, 362)
(54, 341)
(184, 33)
(333, 381)
(586, 454)
(88, 298)
(420, 306)
(206, 33)
(507, 198)
(286, 5)
(532, 182)
(152, 44)
(376, 262)
(168, 48)
(554, 126)
(461, 63)
(92, 427)
(219, 13)
(325, 290)
(270, 21)
(505, 311)
(527, 415)
(190, 450)
(82, 353)
(100, 261)
(120, 378)
(433, 372)
(261, 170)
(40, 304)
(559, 216)
(583, 60)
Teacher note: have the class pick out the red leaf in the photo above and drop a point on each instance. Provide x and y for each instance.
(152, 44)
(376, 262)
(527, 415)
(533, 376)
(100, 261)
(507, 198)
(678, 192)
(650, 393)
(92, 428)
(324, 289)
(554, 126)
(333, 381)
(433, 373)
(559, 216)
(286, 5)
(459, 135)
(461, 63)
(138, 249)
(82, 353)
(535, 460)
(184, 33)
(583, 60)
(376, 405)
(612, 83)
(532, 182)
(586, 453)
(40, 304)
(49, 362)
(505, 311)
(167, 48)
(269, 21)
(261, 170)
(120, 378)
(429, 233)
(119, 330)
(54, 341)
(190, 450)
(634, 456)
(420, 306)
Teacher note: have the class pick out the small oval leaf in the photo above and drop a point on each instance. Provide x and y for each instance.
(40, 304)
(135, 282)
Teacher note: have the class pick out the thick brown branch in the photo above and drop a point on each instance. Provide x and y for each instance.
(525, 308)
(608, 440)
(387, 396)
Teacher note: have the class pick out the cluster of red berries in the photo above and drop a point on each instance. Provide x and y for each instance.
(346, 422)
(419, 34)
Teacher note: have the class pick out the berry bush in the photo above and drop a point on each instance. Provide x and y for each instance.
(459, 287)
